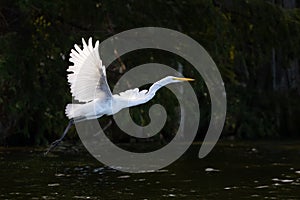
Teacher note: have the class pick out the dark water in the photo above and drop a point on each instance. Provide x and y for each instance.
(233, 170)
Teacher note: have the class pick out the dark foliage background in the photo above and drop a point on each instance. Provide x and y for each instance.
(255, 44)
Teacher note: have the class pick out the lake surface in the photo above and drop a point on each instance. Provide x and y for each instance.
(233, 170)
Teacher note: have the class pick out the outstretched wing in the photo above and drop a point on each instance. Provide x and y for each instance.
(88, 80)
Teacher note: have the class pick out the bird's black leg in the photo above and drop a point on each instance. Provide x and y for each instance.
(56, 142)
(107, 125)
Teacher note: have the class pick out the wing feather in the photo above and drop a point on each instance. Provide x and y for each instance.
(88, 77)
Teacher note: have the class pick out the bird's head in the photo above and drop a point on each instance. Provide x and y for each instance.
(175, 79)
(172, 79)
(181, 79)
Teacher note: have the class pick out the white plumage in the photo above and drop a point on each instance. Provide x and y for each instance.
(89, 85)
(88, 72)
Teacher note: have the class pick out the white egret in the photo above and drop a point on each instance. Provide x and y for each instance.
(89, 85)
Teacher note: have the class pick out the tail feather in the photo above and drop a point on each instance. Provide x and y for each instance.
(72, 110)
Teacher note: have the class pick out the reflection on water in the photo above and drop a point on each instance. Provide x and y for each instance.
(230, 171)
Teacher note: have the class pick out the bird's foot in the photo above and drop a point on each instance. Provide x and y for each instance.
(53, 145)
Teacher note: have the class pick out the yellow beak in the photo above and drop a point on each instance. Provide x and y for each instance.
(184, 79)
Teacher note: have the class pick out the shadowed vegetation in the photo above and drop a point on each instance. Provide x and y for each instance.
(255, 45)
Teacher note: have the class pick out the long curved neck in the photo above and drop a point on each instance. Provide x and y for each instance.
(156, 86)
(123, 101)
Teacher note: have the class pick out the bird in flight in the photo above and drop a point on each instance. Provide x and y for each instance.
(89, 86)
